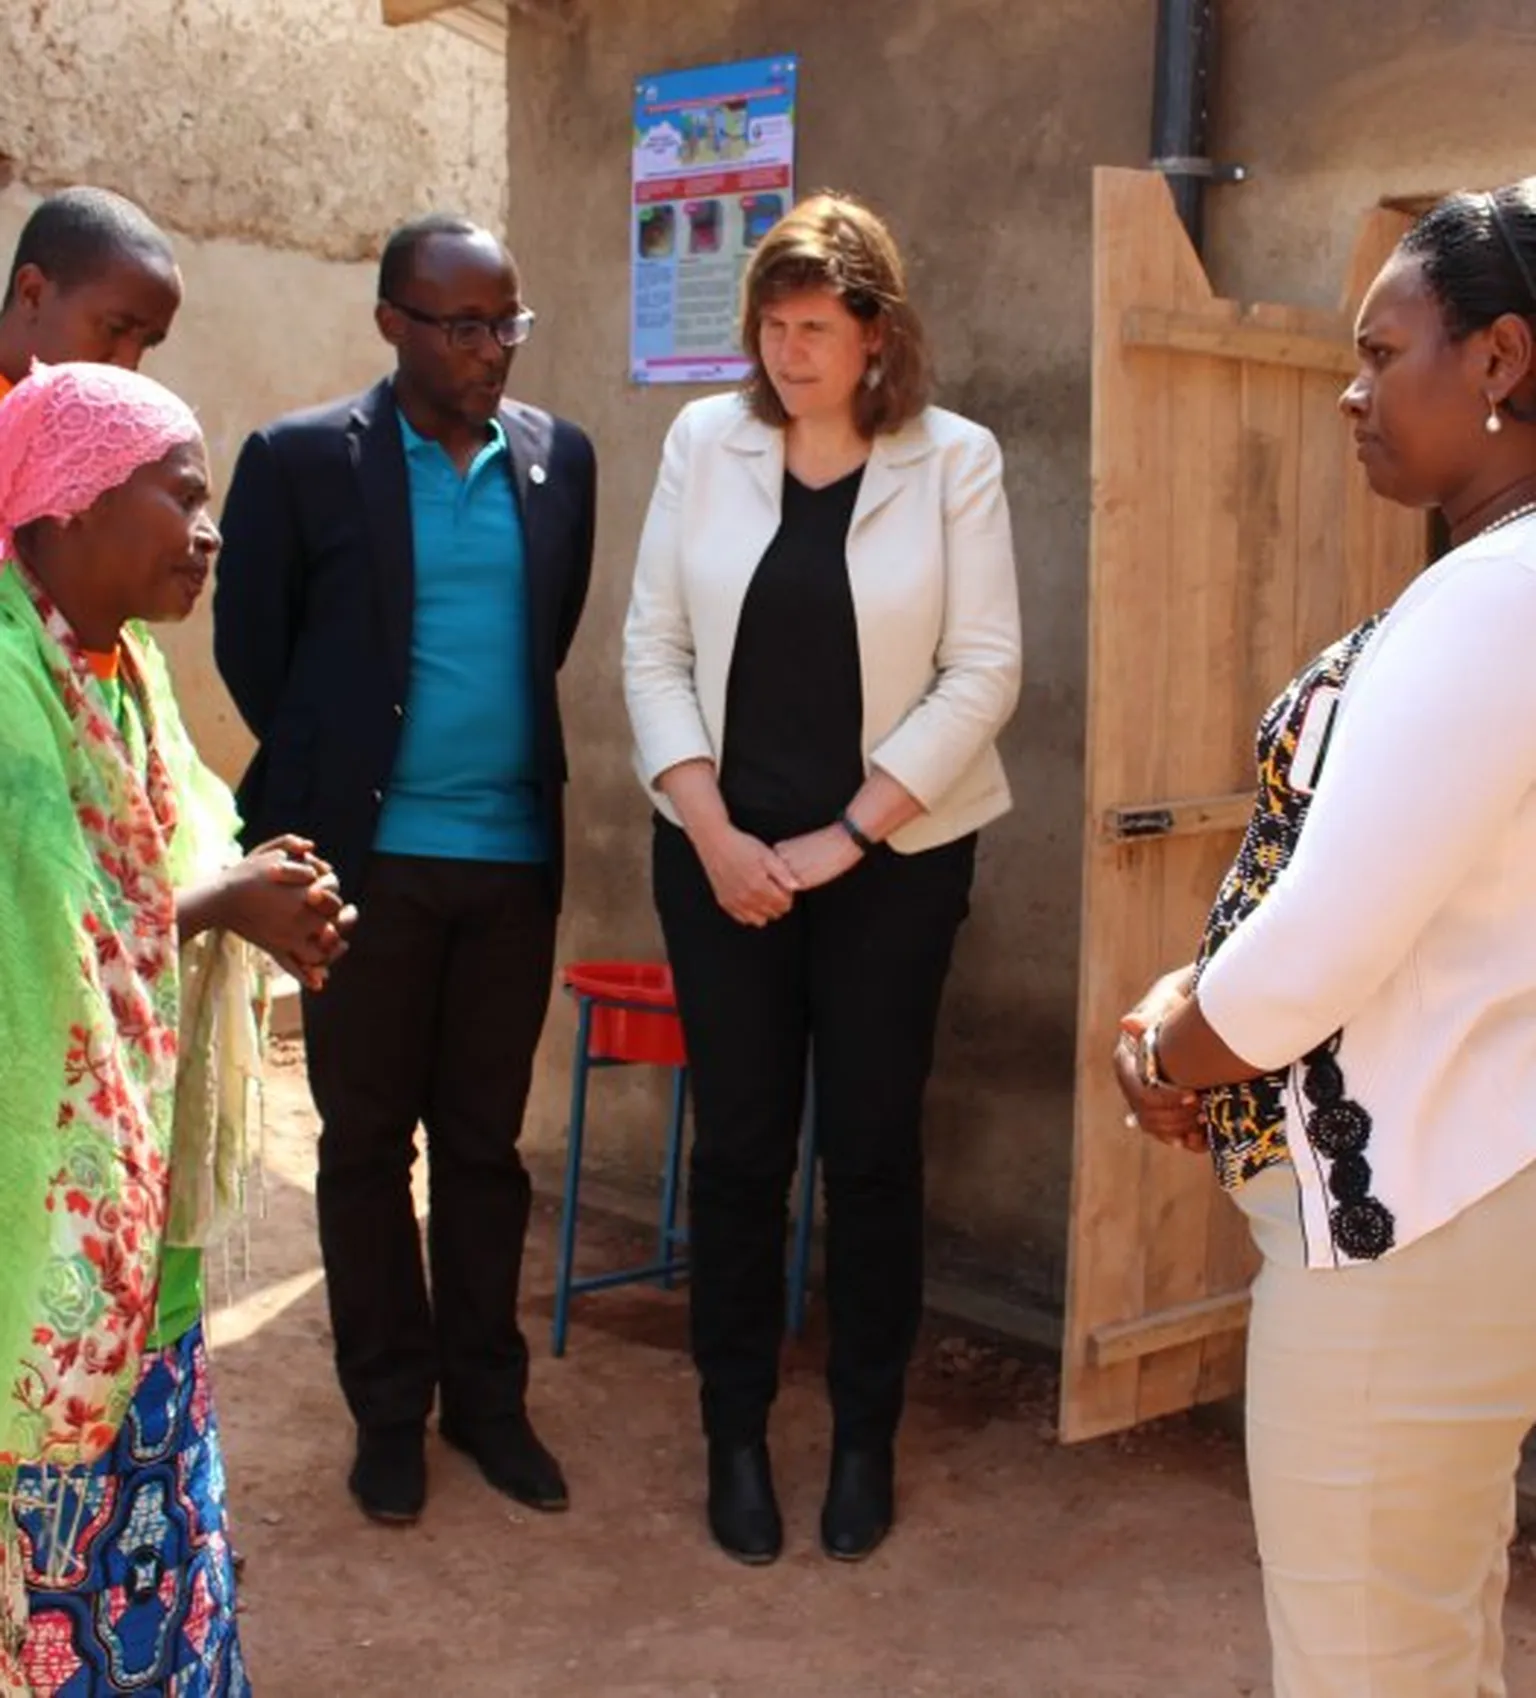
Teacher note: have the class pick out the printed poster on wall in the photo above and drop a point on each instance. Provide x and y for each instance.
(713, 172)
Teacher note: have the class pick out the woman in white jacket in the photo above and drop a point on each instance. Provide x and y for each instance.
(1357, 1040)
(822, 646)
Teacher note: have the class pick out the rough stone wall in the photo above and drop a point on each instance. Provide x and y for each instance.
(1332, 112)
(285, 123)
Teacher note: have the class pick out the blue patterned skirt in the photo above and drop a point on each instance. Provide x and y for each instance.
(128, 1571)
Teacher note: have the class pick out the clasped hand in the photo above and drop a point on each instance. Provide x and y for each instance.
(1165, 1112)
(756, 884)
(287, 901)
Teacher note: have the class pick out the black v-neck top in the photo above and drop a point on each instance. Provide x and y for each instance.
(794, 712)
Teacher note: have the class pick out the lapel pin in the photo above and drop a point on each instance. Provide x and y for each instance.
(535, 474)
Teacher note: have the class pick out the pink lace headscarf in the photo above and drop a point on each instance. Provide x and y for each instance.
(69, 433)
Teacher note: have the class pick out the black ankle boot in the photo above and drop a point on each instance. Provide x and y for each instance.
(389, 1475)
(860, 1503)
(743, 1511)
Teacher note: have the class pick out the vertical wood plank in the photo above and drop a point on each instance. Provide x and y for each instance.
(1270, 555)
(1202, 757)
(1380, 231)
(1133, 260)
(1327, 519)
(1269, 560)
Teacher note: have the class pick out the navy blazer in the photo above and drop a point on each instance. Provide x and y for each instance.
(313, 605)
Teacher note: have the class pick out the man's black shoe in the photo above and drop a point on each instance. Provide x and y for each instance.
(512, 1459)
(389, 1475)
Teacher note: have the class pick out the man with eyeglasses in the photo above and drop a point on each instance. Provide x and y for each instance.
(402, 576)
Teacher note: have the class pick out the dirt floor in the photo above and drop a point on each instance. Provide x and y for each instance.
(1019, 1569)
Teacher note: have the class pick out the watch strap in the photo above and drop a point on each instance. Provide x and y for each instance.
(864, 843)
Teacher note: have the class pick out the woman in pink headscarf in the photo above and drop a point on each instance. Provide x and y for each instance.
(125, 1020)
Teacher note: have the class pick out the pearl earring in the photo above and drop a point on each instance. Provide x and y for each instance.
(872, 375)
(1493, 424)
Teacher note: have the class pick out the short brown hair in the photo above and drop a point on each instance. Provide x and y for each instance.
(832, 241)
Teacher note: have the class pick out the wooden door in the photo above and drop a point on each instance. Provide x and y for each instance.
(1233, 537)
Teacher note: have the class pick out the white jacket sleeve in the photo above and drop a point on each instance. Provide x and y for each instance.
(1435, 750)
(658, 637)
(978, 659)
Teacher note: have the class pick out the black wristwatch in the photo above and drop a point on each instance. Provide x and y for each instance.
(865, 845)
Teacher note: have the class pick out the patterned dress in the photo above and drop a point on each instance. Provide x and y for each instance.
(115, 1570)
(129, 1574)
(1246, 1123)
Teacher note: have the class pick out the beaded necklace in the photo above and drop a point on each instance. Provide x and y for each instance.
(1523, 511)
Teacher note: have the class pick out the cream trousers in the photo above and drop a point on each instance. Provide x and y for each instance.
(1386, 1408)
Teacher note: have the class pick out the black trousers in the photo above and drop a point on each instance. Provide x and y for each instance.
(431, 1018)
(856, 969)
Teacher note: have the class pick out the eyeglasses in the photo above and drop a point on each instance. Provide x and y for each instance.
(467, 334)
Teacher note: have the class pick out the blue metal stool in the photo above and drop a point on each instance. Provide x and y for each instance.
(626, 1015)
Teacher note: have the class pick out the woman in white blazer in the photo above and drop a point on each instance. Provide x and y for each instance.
(821, 648)
(1357, 1039)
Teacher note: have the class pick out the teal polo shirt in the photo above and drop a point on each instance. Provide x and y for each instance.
(465, 784)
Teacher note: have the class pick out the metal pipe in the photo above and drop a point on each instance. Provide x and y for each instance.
(1184, 72)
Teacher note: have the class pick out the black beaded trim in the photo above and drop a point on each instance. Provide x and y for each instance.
(1339, 1129)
